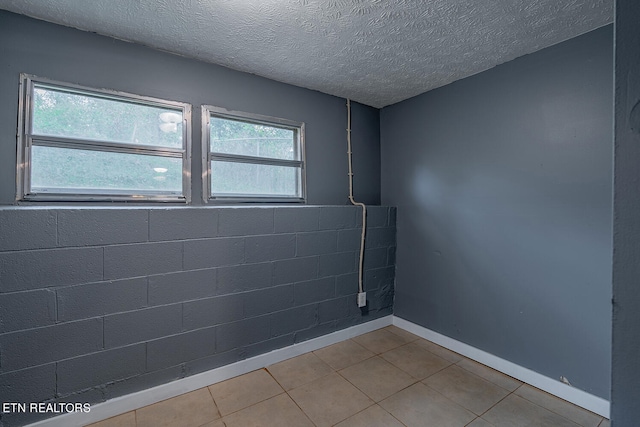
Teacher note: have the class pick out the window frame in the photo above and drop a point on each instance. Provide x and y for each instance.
(208, 156)
(25, 137)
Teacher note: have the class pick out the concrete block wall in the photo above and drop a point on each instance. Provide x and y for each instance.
(96, 303)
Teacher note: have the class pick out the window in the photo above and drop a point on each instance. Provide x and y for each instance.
(85, 144)
(252, 158)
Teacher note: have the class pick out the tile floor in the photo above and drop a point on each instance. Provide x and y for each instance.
(385, 378)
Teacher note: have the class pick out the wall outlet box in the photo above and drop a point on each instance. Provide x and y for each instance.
(362, 299)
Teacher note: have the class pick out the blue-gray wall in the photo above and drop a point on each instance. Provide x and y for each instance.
(503, 183)
(625, 376)
(98, 302)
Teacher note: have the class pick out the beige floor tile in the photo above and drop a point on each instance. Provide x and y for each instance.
(329, 400)
(562, 407)
(515, 411)
(605, 423)
(343, 354)
(299, 370)
(380, 340)
(498, 378)
(377, 378)
(466, 389)
(216, 423)
(408, 336)
(415, 360)
(440, 351)
(127, 419)
(420, 405)
(188, 410)
(243, 391)
(373, 416)
(279, 411)
(479, 422)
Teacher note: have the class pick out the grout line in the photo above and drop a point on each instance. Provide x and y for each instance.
(549, 409)
(214, 403)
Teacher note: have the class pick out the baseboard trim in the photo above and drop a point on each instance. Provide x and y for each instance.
(130, 402)
(576, 396)
(162, 392)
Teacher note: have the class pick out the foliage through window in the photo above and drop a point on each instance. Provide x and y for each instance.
(84, 144)
(252, 158)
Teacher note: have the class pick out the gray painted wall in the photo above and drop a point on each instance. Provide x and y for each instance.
(503, 187)
(68, 55)
(625, 376)
(98, 302)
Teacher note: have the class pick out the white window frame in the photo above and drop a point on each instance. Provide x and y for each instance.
(298, 127)
(26, 141)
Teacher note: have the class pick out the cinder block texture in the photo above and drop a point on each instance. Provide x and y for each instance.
(25, 310)
(376, 258)
(347, 284)
(246, 277)
(338, 217)
(314, 290)
(182, 286)
(295, 319)
(213, 252)
(294, 219)
(99, 368)
(268, 300)
(29, 385)
(295, 270)
(270, 248)
(38, 346)
(176, 349)
(349, 240)
(92, 227)
(245, 221)
(212, 311)
(186, 223)
(96, 299)
(377, 216)
(316, 243)
(142, 325)
(27, 229)
(337, 263)
(142, 259)
(242, 333)
(23, 270)
(98, 303)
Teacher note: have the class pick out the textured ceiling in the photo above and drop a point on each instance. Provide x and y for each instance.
(375, 52)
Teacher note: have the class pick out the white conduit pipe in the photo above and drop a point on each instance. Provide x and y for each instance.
(361, 295)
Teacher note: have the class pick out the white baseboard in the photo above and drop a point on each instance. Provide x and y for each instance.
(137, 400)
(576, 396)
(120, 405)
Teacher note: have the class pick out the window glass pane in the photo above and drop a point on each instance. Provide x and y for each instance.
(254, 179)
(66, 170)
(74, 115)
(252, 139)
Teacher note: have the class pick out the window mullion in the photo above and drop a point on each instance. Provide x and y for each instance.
(105, 146)
(254, 160)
